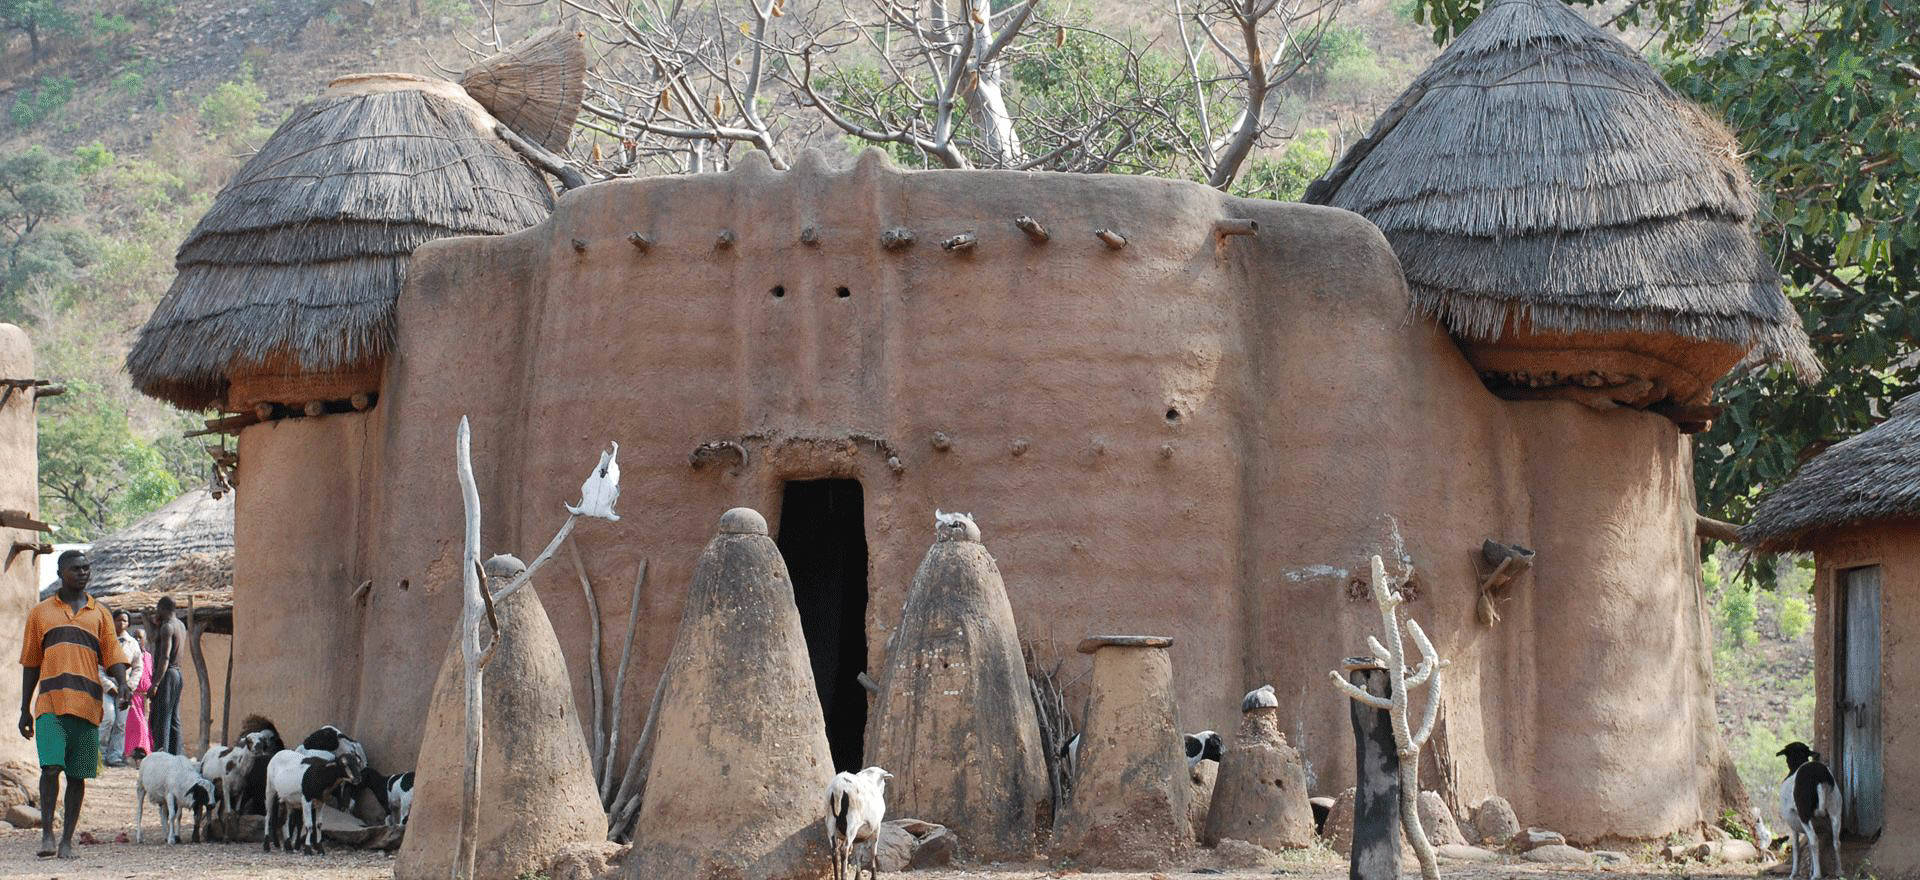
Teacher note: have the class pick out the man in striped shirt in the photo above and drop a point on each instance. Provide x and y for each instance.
(69, 639)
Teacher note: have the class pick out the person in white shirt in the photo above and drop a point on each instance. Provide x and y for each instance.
(114, 707)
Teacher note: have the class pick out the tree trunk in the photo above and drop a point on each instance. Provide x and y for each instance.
(984, 99)
(1377, 796)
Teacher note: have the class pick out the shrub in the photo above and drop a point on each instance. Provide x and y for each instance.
(232, 107)
(36, 105)
(92, 157)
(1795, 618)
(129, 82)
(1737, 612)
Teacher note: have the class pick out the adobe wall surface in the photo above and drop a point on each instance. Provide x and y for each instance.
(1306, 408)
(1895, 547)
(19, 490)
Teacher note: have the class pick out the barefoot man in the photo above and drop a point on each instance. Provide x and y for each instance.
(70, 638)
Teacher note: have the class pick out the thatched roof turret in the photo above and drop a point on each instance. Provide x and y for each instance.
(1871, 477)
(1568, 216)
(186, 545)
(535, 87)
(286, 286)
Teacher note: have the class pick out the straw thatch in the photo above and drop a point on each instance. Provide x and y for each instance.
(1871, 477)
(535, 87)
(303, 253)
(186, 545)
(1540, 170)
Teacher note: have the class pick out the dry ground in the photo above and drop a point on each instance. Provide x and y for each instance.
(109, 814)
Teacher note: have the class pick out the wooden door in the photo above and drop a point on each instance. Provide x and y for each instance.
(1857, 726)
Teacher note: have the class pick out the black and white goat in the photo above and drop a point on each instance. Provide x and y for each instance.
(1203, 746)
(228, 768)
(856, 805)
(395, 793)
(1808, 795)
(330, 741)
(171, 782)
(298, 784)
(259, 736)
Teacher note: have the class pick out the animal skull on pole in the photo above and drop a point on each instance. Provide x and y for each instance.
(1399, 704)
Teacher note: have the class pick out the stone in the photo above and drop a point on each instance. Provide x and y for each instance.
(1494, 822)
(954, 684)
(1261, 796)
(1129, 806)
(1532, 838)
(1557, 854)
(1236, 854)
(23, 816)
(1437, 821)
(738, 685)
(1322, 807)
(1338, 828)
(1461, 852)
(537, 794)
(1738, 852)
(913, 844)
(583, 861)
(1204, 777)
(1610, 857)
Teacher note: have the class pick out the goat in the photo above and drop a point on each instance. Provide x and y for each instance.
(1203, 746)
(260, 737)
(329, 741)
(229, 768)
(295, 778)
(395, 793)
(171, 782)
(1069, 756)
(1807, 795)
(856, 804)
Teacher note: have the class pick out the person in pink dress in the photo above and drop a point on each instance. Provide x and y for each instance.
(139, 739)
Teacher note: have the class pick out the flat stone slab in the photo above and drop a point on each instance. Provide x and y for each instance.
(1461, 852)
(1091, 644)
(1558, 854)
(1355, 664)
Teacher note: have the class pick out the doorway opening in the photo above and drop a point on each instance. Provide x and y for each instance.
(823, 538)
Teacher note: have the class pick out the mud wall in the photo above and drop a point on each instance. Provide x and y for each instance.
(1192, 436)
(1895, 547)
(19, 590)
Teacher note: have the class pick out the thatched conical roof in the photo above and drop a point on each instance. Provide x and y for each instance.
(535, 87)
(302, 254)
(1873, 476)
(1541, 173)
(185, 545)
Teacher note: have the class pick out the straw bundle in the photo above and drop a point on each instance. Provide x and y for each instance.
(1541, 174)
(535, 87)
(303, 253)
(1871, 477)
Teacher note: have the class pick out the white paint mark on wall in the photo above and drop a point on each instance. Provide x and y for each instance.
(1316, 572)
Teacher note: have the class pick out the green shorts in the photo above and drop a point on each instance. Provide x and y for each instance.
(69, 742)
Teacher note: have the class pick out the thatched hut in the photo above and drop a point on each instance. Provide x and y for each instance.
(286, 286)
(1856, 508)
(194, 525)
(1579, 227)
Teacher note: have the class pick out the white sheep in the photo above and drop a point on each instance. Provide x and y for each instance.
(171, 782)
(227, 768)
(856, 804)
(299, 780)
(330, 741)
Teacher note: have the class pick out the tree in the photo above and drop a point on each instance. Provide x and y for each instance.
(37, 191)
(1821, 94)
(37, 18)
(96, 475)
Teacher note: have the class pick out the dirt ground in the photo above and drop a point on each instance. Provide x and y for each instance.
(109, 814)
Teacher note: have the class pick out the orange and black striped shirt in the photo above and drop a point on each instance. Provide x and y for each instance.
(70, 648)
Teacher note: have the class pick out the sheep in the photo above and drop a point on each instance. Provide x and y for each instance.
(229, 768)
(295, 778)
(171, 782)
(856, 804)
(1807, 795)
(1203, 746)
(260, 737)
(329, 741)
(395, 793)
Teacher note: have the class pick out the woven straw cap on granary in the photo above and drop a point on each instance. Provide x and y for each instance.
(186, 544)
(1869, 478)
(286, 287)
(1580, 228)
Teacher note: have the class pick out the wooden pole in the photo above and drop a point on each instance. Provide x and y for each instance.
(472, 610)
(1376, 796)
(226, 697)
(195, 628)
(620, 688)
(599, 677)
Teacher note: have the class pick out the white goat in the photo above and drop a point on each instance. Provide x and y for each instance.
(227, 768)
(856, 804)
(299, 780)
(171, 782)
(1807, 795)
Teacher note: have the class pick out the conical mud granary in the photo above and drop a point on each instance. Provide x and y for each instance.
(736, 784)
(536, 792)
(954, 719)
(1129, 806)
(1261, 793)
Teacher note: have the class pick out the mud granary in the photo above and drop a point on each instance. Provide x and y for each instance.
(1172, 411)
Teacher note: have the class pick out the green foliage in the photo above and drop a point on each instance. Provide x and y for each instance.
(129, 82)
(1734, 609)
(1795, 618)
(35, 105)
(1341, 47)
(110, 25)
(1821, 97)
(233, 107)
(90, 159)
(96, 475)
(1285, 178)
(38, 191)
(38, 19)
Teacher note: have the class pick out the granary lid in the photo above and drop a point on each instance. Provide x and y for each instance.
(1541, 172)
(1871, 477)
(535, 87)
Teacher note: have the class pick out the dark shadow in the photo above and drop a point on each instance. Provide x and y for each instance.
(823, 538)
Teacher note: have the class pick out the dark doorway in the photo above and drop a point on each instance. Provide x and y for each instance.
(823, 537)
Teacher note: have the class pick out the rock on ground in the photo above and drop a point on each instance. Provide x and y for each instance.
(1557, 854)
(911, 845)
(1494, 822)
(1460, 852)
(1534, 838)
(1437, 821)
(1338, 829)
(591, 860)
(23, 816)
(1231, 853)
(1610, 857)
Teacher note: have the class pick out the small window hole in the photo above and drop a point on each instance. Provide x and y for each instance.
(1173, 416)
(404, 585)
(842, 292)
(779, 291)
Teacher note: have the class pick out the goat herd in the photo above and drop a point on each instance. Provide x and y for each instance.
(259, 775)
